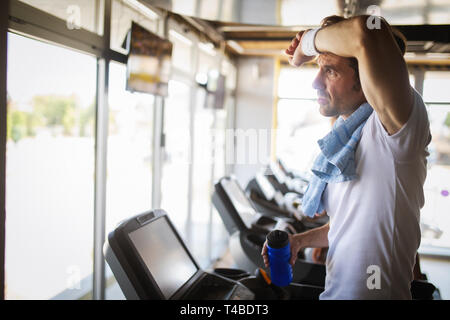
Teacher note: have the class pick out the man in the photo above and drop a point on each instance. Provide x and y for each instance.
(369, 177)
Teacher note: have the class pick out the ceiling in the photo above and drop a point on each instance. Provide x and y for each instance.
(265, 27)
(308, 12)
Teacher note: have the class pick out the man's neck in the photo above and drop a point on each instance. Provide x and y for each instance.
(345, 116)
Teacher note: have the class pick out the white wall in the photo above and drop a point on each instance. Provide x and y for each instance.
(254, 102)
(258, 12)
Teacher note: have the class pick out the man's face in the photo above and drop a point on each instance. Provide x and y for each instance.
(338, 91)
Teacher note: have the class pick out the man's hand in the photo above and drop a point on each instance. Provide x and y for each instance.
(314, 238)
(296, 56)
(296, 246)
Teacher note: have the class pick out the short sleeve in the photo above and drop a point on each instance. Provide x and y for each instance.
(412, 139)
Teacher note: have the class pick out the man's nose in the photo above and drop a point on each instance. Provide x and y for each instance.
(318, 83)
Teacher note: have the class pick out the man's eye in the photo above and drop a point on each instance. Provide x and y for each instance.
(331, 72)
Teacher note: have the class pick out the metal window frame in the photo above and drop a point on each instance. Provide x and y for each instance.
(101, 154)
(4, 9)
(101, 148)
(27, 20)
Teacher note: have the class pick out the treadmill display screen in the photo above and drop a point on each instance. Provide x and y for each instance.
(266, 186)
(278, 173)
(164, 255)
(240, 201)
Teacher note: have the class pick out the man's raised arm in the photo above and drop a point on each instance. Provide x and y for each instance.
(382, 68)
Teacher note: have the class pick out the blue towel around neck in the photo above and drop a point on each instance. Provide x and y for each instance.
(336, 162)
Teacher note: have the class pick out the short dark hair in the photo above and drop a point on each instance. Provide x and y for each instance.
(400, 39)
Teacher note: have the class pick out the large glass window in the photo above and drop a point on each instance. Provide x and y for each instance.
(297, 83)
(435, 221)
(51, 152)
(181, 52)
(209, 162)
(175, 174)
(129, 161)
(50, 170)
(219, 234)
(176, 166)
(298, 117)
(202, 171)
(435, 86)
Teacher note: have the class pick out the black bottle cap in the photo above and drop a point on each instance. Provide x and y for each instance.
(277, 239)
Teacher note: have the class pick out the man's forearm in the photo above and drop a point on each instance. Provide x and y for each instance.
(343, 38)
(314, 238)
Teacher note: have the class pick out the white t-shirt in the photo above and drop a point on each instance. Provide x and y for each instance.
(374, 220)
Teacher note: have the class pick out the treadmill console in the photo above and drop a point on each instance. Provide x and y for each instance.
(268, 190)
(150, 261)
(239, 200)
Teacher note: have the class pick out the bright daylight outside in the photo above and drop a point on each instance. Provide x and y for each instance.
(50, 169)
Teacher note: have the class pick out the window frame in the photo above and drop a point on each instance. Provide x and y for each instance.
(419, 79)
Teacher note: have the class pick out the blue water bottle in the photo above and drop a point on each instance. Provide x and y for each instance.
(279, 252)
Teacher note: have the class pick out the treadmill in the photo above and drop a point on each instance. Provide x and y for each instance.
(290, 173)
(248, 230)
(296, 185)
(150, 261)
(270, 201)
(263, 193)
(286, 182)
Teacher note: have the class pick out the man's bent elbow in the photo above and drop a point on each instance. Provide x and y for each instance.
(360, 35)
(371, 31)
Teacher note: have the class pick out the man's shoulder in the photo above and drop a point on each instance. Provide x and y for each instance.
(406, 143)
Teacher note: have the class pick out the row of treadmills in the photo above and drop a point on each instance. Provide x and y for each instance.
(269, 202)
(150, 260)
